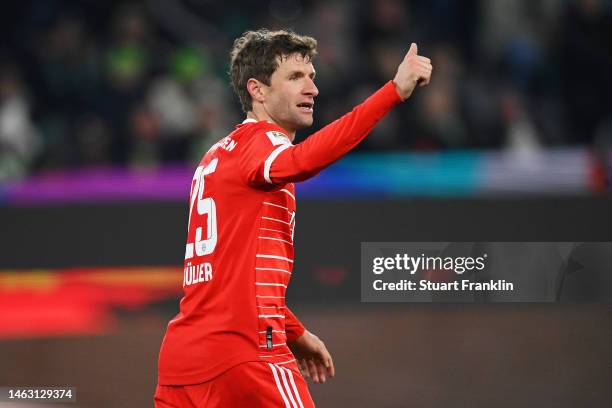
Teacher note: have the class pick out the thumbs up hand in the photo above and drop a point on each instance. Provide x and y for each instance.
(414, 49)
(414, 69)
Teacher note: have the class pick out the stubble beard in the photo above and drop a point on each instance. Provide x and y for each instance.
(301, 122)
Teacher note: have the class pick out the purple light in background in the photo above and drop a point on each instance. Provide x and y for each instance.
(102, 185)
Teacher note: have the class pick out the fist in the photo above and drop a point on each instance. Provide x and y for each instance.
(413, 70)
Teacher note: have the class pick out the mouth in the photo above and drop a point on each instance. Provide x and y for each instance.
(306, 107)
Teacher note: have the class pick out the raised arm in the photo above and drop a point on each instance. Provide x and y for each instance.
(292, 163)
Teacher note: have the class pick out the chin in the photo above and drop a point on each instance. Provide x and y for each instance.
(303, 124)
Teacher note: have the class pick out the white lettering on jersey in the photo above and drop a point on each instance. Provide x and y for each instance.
(228, 144)
(193, 274)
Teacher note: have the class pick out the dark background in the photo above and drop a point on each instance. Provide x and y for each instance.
(396, 355)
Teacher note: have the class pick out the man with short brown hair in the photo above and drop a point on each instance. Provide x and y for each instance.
(235, 343)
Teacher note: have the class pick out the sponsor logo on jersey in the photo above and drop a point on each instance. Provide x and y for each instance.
(278, 138)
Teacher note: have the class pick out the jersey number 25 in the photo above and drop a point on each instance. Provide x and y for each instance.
(205, 206)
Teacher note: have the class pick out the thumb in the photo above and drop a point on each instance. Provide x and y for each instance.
(413, 49)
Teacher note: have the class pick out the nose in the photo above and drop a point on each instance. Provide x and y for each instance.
(310, 89)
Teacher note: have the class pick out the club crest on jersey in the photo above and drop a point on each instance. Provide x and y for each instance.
(278, 138)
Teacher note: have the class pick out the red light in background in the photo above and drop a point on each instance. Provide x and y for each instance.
(330, 276)
(78, 300)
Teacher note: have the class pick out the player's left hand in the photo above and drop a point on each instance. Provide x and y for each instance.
(312, 357)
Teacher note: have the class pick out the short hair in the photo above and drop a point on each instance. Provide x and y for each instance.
(255, 54)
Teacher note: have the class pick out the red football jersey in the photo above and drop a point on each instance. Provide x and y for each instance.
(239, 251)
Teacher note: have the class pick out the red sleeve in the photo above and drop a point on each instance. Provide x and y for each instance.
(329, 144)
(293, 327)
(269, 158)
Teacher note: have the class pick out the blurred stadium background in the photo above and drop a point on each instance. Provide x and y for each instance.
(106, 106)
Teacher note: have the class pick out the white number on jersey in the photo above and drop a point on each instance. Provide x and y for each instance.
(205, 206)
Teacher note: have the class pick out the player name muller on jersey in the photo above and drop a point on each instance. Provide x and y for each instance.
(193, 274)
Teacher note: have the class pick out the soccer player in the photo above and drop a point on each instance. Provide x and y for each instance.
(235, 342)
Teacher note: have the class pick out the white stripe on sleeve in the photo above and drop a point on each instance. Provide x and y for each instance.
(270, 160)
(276, 205)
(284, 190)
(282, 258)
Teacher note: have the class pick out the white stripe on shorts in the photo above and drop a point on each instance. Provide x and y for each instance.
(284, 377)
(279, 386)
(297, 394)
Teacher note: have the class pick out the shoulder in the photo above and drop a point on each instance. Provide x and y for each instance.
(264, 132)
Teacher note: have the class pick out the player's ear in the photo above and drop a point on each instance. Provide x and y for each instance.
(256, 89)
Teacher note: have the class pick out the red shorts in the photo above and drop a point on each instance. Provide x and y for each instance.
(253, 384)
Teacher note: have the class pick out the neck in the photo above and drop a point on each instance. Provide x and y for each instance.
(260, 115)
